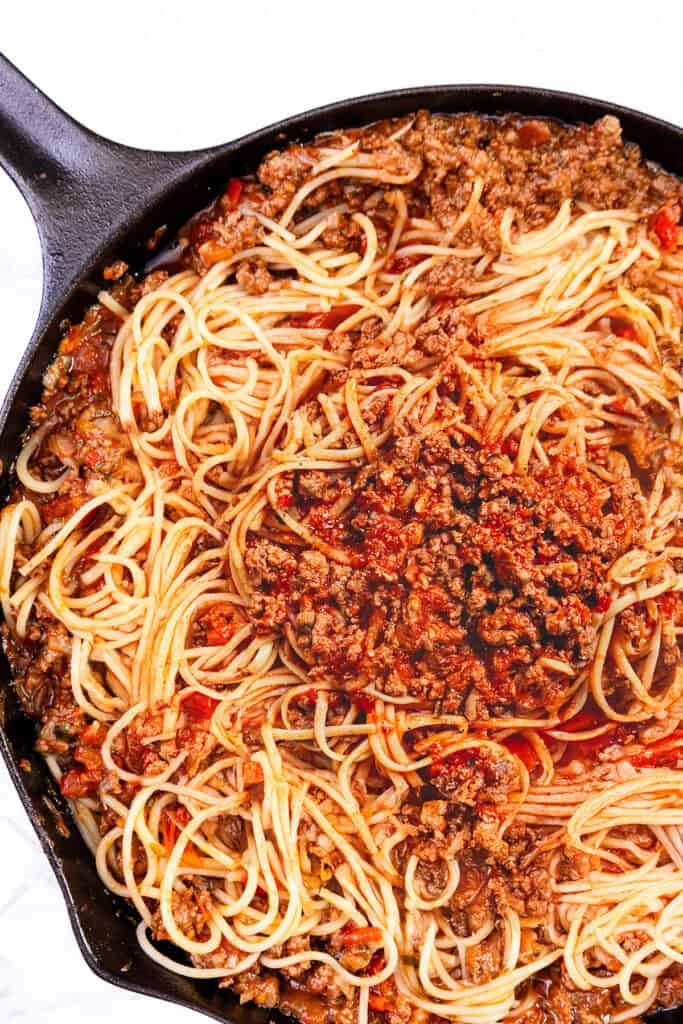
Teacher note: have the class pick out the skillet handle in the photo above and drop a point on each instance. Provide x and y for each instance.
(83, 190)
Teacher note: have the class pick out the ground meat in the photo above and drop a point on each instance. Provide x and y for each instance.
(637, 628)
(397, 350)
(283, 172)
(227, 957)
(433, 814)
(313, 483)
(470, 776)
(439, 830)
(267, 562)
(460, 574)
(342, 233)
(671, 987)
(273, 566)
(156, 279)
(199, 744)
(450, 277)
(297, 944)
(41, 663)
(484, 960)
(191, 909)
(531, 166)
(60, 729)
(306, 1006)
(473, 903)
(254, 277)
(135, 754)
(255, 987)
(432, 879)
(139, 750)
(231, 234)
(532, 889)
(562, 1003)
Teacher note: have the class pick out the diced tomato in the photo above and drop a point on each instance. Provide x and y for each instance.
(327, 321)
(623, 329)
(583, 721)
(442, 301)
(363, 702)
(192, 857)
(93, 735)
(222, 622)
(199, 705)
(71, 497)
(620, 403)
(522, 749)
(252, 773)
(285, 500)
(173, 819)
(168, 829)
(181, 815)
(662, 753)
(398, 264)
(669, 605)
(89, 757)
(586, 721)
(91, 457)
(307, 697)
(533, 133)
(234, 191)
(169, 468)
(380, 1004)
(218, 635)
(666, 229)
(78, 782)
(472, 880)
(353, 936)
(440, 763)
(83, 780)
(213, 252)
(376, 962)
(459, 762)
(588, 749)
(510, 446)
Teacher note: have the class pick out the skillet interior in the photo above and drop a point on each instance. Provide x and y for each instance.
(178, 185)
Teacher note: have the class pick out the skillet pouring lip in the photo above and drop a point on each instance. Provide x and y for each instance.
(104, 924)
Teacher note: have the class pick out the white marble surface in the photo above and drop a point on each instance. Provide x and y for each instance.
(98, 59)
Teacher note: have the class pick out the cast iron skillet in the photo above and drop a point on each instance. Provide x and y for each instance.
(93, 199)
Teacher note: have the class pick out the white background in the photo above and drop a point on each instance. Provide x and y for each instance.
(174, 74)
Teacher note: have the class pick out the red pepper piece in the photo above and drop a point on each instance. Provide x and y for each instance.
(361, 936)
(200, 706)
(325, 321)
(664, 752)
(522, 749)
(665, 228)
(78, 782)
(234, 191)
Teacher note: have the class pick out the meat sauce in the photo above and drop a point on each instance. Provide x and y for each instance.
(459, 575)
(458, 578)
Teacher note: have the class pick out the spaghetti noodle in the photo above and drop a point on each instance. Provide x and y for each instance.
(342, 573)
